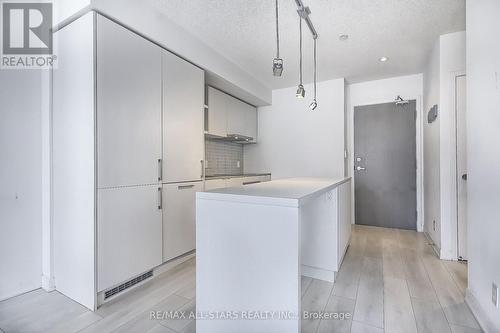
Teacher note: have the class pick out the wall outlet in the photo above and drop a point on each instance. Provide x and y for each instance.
(494, 295)
(238, 164)
(434, 225)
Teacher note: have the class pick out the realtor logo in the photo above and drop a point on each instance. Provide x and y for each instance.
(26, 35)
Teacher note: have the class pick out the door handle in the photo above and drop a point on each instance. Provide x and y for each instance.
(184, 187)
(160, 169)
(252, 182)
(160, 198)
(360, 168)
(464, 176)
(202, 168)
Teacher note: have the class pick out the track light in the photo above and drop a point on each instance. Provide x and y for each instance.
(277, 66)
(277, 62)
(301, 92)
(314, 103)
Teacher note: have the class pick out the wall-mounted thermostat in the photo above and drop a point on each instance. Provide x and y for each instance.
(432, 114)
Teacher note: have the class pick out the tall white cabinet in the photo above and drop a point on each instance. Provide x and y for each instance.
(183, 120)
(129, 106)
(135, 113)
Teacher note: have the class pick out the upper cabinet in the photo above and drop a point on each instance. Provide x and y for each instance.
(183, 120)
(128, 106)
(217, 118)
(230, 117)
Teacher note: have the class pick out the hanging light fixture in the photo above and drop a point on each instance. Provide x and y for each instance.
(301, 92)
(277, 62)
(314, 103)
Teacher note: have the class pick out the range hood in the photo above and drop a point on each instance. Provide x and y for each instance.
(237, 138)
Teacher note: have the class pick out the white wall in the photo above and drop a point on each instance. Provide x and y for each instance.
(294, 141)
(384, 91)
(20, 182)
(483, 184)
(432, 202)
(446, 60)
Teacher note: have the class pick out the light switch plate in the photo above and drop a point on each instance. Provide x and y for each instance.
(494, 295)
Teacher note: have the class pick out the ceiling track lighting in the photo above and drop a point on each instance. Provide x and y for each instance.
(303, 12)
(277, 62)
(314, 103)
(301, 92)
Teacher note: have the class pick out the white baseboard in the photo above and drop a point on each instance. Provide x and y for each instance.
(48, 283)
(317, 273)
(483, 320)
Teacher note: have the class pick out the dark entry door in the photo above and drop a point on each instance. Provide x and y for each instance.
(385, 165)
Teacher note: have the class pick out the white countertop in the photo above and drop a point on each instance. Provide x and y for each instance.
(282, 192)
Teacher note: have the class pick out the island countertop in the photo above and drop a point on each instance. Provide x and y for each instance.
(282, 192)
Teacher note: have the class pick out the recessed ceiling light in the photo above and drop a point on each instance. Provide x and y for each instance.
(383, 59)
(343, 37)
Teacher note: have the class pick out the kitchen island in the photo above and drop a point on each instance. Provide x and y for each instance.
(253, 244)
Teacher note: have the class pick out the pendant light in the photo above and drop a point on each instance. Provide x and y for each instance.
(301, 92)
(314, 103)
(277, 62)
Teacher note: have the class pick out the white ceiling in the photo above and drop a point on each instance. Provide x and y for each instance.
(244, 32)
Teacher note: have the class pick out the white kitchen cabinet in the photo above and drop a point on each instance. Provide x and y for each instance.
(241, 118)
(250, 121)
(128, 106)
(235, 116)
(183, 120)
(217, 118)
(230, 116)
(129, 233)
(213, 184)
(107, 103)
(179, 220)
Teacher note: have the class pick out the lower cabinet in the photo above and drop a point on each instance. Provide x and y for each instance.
(129, 239)
(179, 218)
(213, 184)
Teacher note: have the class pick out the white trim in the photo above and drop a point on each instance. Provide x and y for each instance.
(453, 250)
(478, 312)
(48, 283)
(420, 157)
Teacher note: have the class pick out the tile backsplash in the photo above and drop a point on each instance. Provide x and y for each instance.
(222, 158)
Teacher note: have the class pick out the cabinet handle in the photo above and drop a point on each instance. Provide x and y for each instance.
(184, 187)
(254, 182)
(202, 168)
(160, 169)
(160, 198)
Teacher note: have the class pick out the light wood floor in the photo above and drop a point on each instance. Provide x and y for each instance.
(390, 281)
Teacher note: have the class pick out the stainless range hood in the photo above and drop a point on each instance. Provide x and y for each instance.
(239, 138)
(236, 138)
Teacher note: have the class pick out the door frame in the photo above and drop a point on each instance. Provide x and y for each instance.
(419, 128)
(454, 160)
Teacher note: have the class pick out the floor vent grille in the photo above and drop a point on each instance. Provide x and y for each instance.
(128, 284)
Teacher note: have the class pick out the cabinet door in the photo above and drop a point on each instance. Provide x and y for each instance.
(183, 120)
(235, 116)
(250, 121)
(234, 182)
(128, 107)
(213, 184)
(217, 124)
(128, 233)
(265, 178)
(179, 218)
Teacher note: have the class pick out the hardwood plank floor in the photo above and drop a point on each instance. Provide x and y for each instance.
(390, 281)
